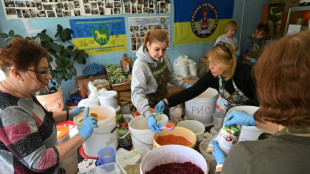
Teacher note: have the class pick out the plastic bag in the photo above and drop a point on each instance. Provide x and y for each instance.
(184, 66)
(93, 70)
(181, 66)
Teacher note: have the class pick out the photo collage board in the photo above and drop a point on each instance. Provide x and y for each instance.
(140, 25)
(17, 9)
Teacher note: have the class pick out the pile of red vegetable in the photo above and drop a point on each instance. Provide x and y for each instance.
(176, 168)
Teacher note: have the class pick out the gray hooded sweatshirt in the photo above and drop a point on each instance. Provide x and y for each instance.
(143, 81)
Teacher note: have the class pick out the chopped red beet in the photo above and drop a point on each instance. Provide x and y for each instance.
(176, 168)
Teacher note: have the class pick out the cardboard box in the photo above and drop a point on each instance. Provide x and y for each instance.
(82, 83)
(191, 80)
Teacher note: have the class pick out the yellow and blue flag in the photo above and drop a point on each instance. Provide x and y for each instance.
(200, 21)
(99, 35)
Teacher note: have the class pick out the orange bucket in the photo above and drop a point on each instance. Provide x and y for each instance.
(137, 113)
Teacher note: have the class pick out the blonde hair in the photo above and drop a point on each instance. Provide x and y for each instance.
(231, 25)
(222, 58)
(156, 35)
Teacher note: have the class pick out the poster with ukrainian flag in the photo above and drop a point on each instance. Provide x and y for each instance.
(99, 35)
(200, 20)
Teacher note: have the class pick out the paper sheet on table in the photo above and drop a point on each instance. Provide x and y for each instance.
(293, 28)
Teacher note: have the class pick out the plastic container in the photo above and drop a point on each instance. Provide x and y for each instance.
(132, 157)
(103, 136)
(202, 107)
(248, 133)
(62, 134)
(228, 137)
(108, 98)
(218, 118)
(106, 155)
(172, 153)
(72, 128)
(203, 146)
(110, 168)
(141, 135)
(197, 127)
(70, 164)
(177, 131)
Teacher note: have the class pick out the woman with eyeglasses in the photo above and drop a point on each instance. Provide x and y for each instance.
(282, 75)
(232, 80)
(28, 136)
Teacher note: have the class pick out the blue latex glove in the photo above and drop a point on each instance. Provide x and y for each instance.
(237, 53)
(253, 60)
(159, 108)
(88, 125)
(188, 86)
(74, 112)
(218, 153)
(239, 117)
(152, 124)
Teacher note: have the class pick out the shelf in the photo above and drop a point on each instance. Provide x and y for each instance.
(294, 9)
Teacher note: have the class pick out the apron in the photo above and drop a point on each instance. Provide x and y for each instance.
(235, 99)
(161, 74)
(255, 51)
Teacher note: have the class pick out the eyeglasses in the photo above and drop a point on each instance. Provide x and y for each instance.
(42, 73)
(224, 47)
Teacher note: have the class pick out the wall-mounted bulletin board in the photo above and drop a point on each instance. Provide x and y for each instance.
(16, 9)
(140, 25)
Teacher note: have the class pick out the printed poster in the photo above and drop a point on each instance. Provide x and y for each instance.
(200, 21)
(140, 25)
(99, 35)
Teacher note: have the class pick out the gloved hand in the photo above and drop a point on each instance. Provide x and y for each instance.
(239, 117)
(88, 125)
(152, 124)
(237, 53)
(74, 112)
(253, 60)
(218, 153)
(188, 86)
(159, 108)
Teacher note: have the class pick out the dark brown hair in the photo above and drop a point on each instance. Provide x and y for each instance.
(262, 27)
(22, 54)
(283, 86)
(156, 35)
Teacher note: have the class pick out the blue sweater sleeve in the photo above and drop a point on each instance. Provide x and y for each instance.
(246, 46)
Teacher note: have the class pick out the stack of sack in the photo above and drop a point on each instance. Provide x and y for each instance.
(185, 67)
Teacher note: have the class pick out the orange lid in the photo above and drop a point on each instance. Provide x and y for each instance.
(62, 131)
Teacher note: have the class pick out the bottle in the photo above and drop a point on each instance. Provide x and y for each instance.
(227, 137)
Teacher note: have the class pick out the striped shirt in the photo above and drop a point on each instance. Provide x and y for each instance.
(27, 137)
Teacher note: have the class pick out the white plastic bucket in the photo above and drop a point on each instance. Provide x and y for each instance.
(103, 136)
(247, 133)
(108, 98)
(170, 154)
(141, 135)
(196, 126)
(202, 107)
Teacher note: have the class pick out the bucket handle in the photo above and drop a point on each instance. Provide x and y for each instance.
(141, 141)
